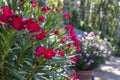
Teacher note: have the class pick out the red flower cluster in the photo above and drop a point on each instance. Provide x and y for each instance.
(73, 37)
(18, 23)
(57, 32)
(60, 53)
(69, 45)
(6, 16)
(73, 59)
(34, 4)
(41, 35)
(48, 54)
(74, 77)
(45, 8)
(32, 26)
(57, 10)
(41, 19)
(40, 51)
(70, 28)
(67, 16)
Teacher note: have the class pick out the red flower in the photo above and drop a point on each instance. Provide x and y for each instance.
(45, 8)
(41, 18)
(57, 32)
(69, 28)
(31, 26)
(34, 4)
(75, 76)
(62, 41)
(78, 49)
(7, 15)
(41, 35)
(67, 16)
(72, 35)
(7, 12)
(18, 23)
(74, 59)
(67, 79)
(39, 51)
(69, 45)
(48, 54)
(76, 43)
(61, 8)
(61, 53)
(57, 10)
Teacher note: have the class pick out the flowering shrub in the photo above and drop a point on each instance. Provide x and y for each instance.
(94, 51)
(33, 45)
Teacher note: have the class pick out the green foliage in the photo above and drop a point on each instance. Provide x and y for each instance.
(17, 48)
(75, 21)
(116, 44)
(78, 23)
(99, 16)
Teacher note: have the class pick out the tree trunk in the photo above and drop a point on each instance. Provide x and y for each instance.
(118, 19)
(104, 24)
(74, 4)
(66, 6)
(82, 11)
(87, 11)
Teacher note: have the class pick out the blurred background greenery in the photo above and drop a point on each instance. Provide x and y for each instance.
(99, 16)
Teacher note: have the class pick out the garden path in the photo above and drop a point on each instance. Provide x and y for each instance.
(108, 71)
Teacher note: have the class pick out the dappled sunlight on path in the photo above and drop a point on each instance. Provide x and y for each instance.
(109, 71)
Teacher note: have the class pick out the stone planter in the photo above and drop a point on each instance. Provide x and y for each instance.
(85, 75)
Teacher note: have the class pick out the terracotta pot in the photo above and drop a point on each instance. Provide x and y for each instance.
(84, 75)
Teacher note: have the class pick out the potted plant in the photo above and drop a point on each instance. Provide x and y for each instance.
(94, 52)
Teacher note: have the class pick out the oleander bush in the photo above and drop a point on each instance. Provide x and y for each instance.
(33, 45)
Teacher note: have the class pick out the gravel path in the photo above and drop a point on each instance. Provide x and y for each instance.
(109, 71)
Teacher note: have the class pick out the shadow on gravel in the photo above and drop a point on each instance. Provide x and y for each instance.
(104, 75)
(109, 71)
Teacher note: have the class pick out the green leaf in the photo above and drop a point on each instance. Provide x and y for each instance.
(58, 60)
(14, 73)
(55, 77)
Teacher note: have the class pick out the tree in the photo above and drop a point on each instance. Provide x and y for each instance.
(118, 19)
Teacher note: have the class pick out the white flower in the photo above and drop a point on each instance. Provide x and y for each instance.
(85, 33)
(82, 39)
(88, 55)
(102, 48)
(92, 33)
(79, 36)
(109, 52)
(94, 52)
(89, 38)
(97, 37)
(96, 45)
